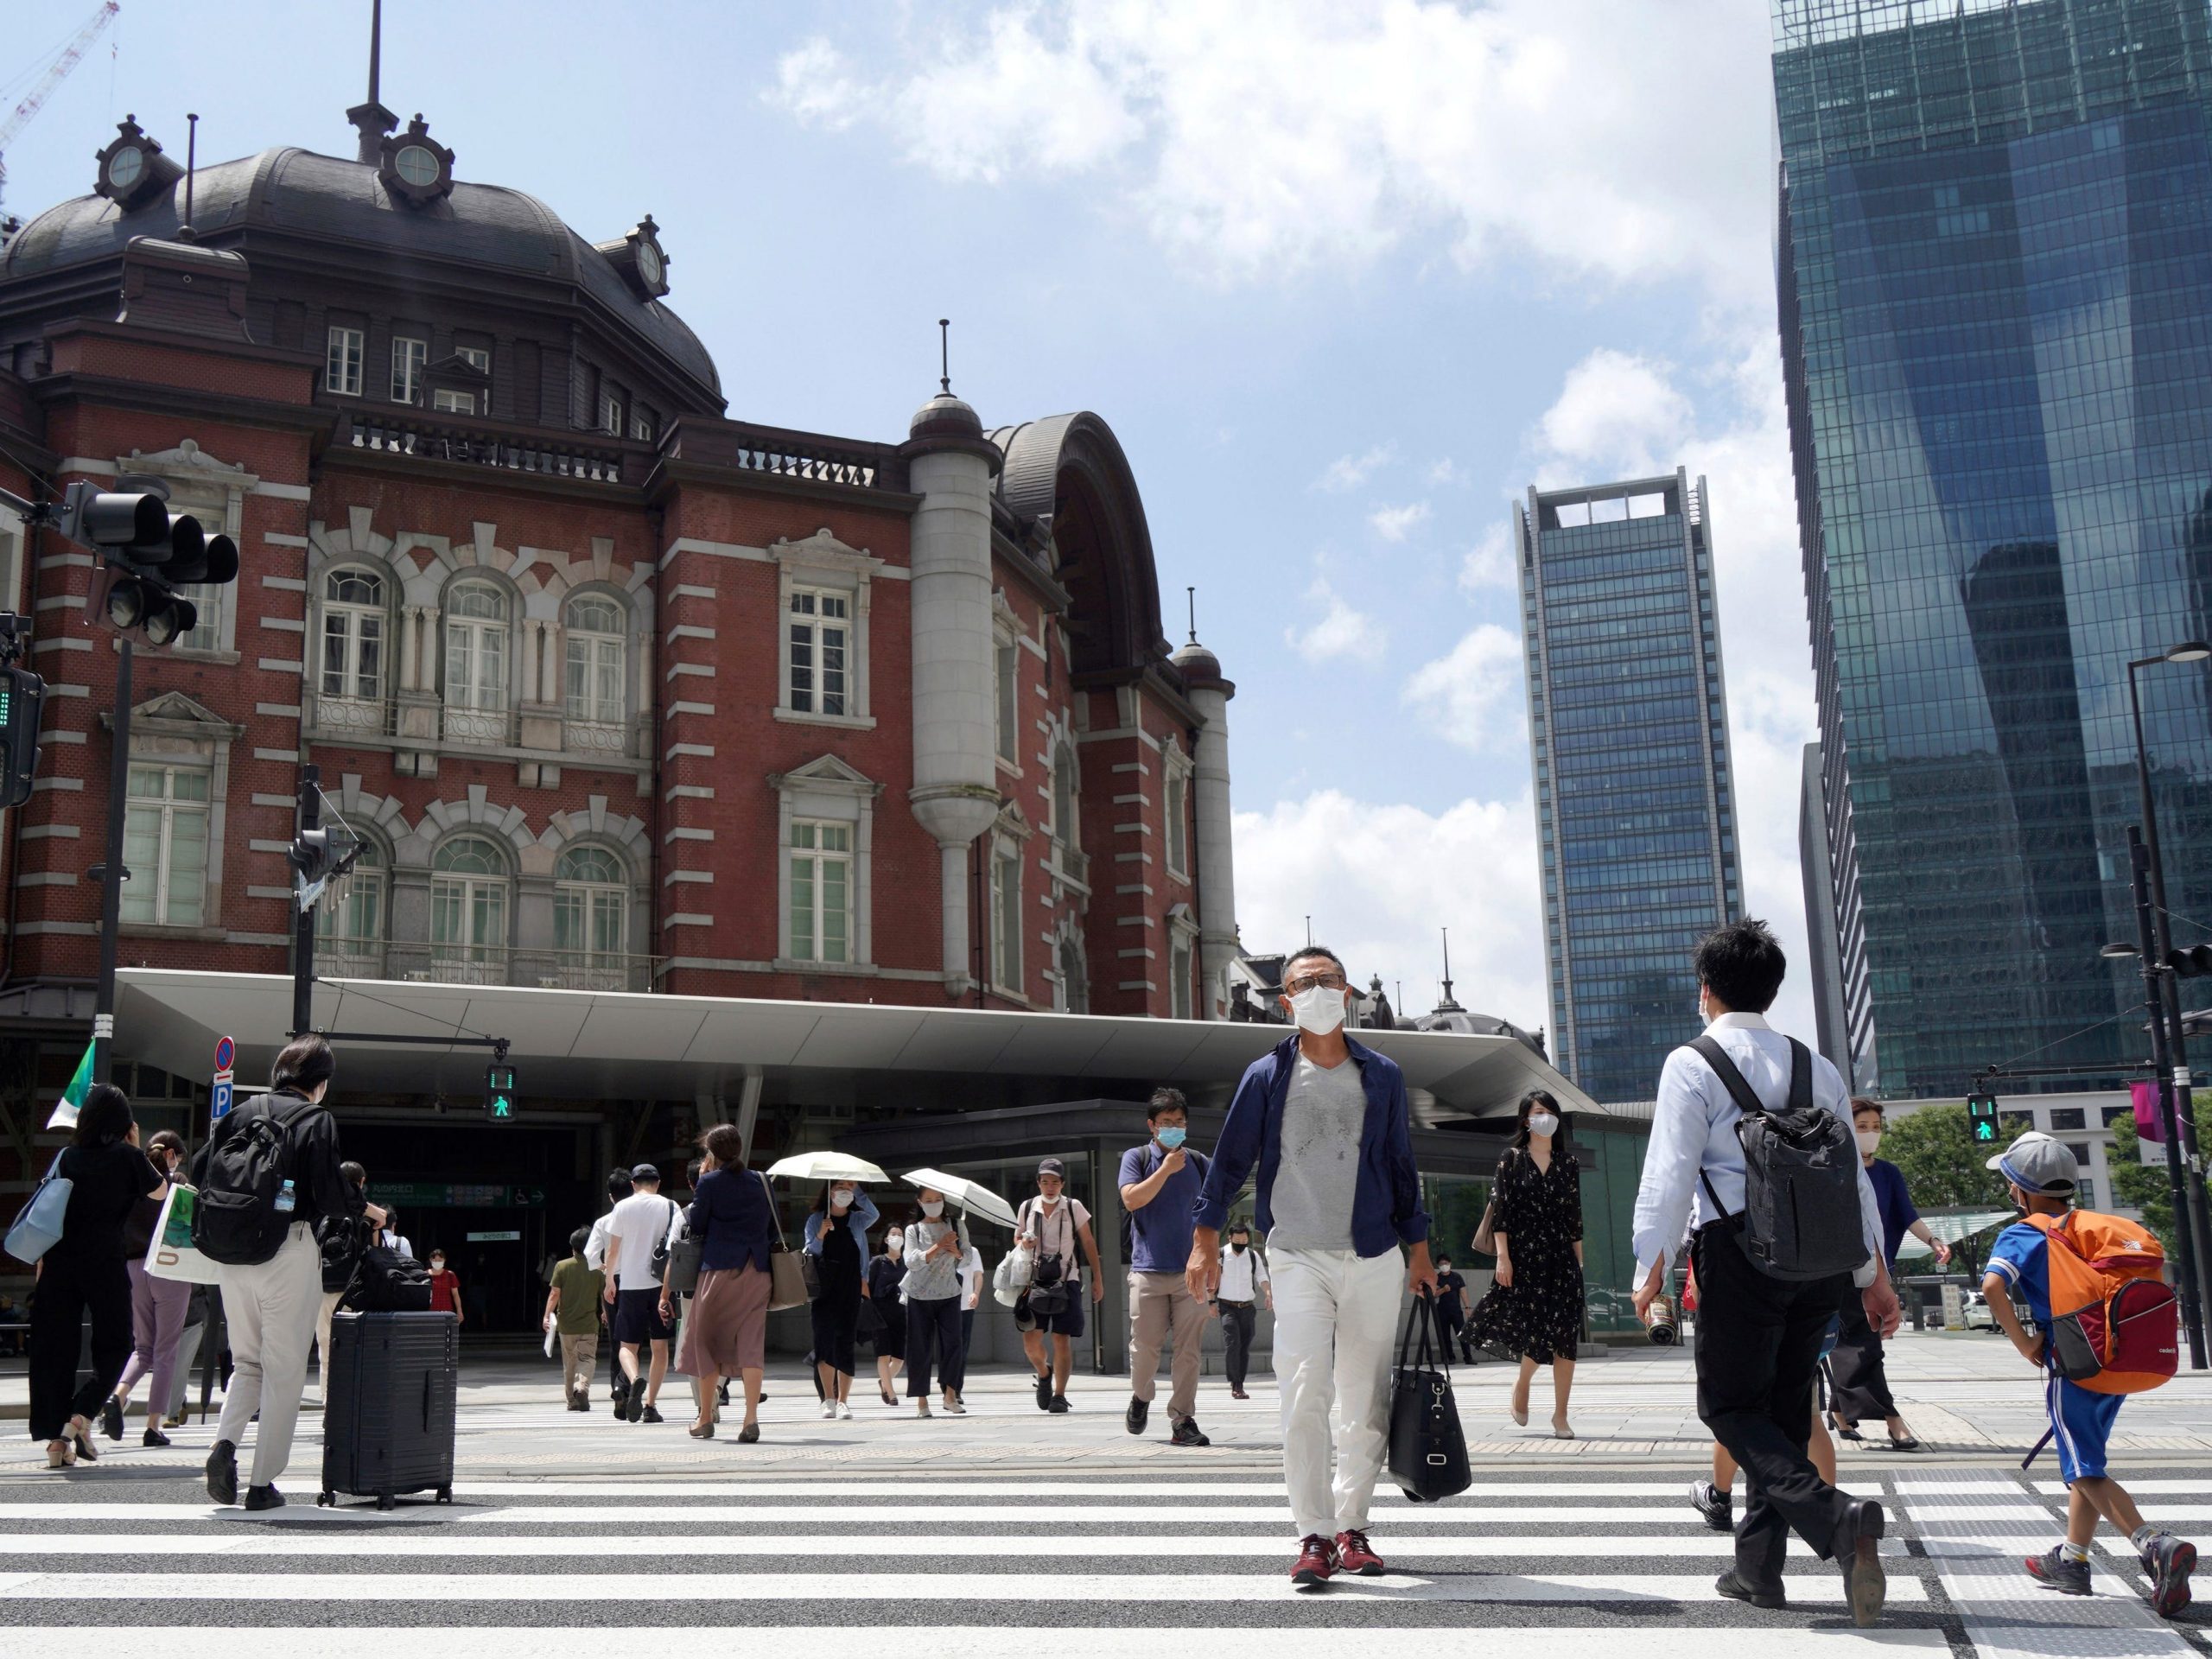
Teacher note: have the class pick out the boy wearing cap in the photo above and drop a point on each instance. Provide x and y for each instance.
(1052, 1225)
(2040, 1173)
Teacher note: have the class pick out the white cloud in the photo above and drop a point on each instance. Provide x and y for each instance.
(1350, 472)
(1396, 524)
(1551, 129)
(1342, 630)
(1489, 564)
(1472, 696)
(1616, 416)
(1445, 472)
(1379, 879)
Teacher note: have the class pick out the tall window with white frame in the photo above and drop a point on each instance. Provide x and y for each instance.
(408, 358)
(469, 888)
(350, 675)
(341, 361)
(206, 633)
(1006, 917)
(591, 920)
(822, 891)
(598, 661)
(1176, 796)
(1179, 974)
(476, 663)
(165, 837)
(349, 923)
(821, 640)
(1006, 666)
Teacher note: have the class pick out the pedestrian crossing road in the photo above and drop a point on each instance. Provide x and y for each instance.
(1542, 1567)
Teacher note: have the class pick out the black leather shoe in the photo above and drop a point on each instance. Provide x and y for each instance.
(1737, 1589)
(1139, 1413)
(112, 1418)
(263, 1497)
(650, 1415)
(1859, 1553)
(155, 1437)
(223, 1472)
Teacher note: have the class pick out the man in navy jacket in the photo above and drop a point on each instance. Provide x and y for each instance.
(1325, 1121)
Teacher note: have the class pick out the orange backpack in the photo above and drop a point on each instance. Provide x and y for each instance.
(2115, 1324)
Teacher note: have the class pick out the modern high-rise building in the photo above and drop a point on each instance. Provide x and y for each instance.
(1995, 295)
(1628, 731)
(1823, 936)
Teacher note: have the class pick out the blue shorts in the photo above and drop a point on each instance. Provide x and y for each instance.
(2082, 1423)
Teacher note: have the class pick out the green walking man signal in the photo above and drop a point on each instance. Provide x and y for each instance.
(499, 1093)
(1981, 1120)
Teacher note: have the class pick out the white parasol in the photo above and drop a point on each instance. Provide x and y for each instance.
(826, 1166)
(977, 1199)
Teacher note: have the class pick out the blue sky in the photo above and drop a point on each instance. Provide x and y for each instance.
(1342, 286)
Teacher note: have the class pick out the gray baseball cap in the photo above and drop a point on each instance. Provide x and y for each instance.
(2036, 1163)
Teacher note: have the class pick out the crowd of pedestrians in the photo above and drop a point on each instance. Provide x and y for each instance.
(1340, 1236)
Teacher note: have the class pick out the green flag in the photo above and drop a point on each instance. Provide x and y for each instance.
(65, 1114)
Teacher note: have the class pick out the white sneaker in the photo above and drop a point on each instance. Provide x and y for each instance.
(844, 1412)
(828, 1409)
(921, 1407)
(954, 1409)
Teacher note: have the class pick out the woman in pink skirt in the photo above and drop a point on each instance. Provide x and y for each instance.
(726, 1326)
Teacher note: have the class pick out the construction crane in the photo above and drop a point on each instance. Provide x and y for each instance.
(65, 61)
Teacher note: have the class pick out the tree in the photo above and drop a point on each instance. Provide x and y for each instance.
(2144, 1186)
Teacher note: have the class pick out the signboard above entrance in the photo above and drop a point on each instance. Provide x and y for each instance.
(440, 1195)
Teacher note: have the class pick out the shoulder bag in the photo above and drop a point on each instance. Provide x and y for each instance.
(1428, 1449)
(37, 1227)
(791, 1283)
(679, 1263)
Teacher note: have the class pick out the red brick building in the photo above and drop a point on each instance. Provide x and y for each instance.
(620, 692)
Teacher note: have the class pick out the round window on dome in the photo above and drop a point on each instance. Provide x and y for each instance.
(125, 168)
(649, 265)
(416, 165)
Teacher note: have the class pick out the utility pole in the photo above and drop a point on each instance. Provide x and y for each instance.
(110, 873)
(2138, 857)
(310, 817)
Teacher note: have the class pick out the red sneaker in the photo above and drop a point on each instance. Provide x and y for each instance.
(1317, 1560)
(1354, 1555)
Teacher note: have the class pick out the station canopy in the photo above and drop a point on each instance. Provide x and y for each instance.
(585, 1046)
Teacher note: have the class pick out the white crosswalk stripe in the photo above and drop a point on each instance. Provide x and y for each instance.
(1551, 1567)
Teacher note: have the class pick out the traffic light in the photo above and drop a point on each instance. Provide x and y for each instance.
(1981, 1120)
(147, 552)
(23, 695)
(499, 1093)
(2191, 961)
(318, 857)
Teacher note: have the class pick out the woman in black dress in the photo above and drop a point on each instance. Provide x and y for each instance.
(884, 1274)
(1535, 1310)
(836, 1237)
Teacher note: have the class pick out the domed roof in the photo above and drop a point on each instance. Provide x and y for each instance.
(299, 193)
(1200, 665)
(944, 416)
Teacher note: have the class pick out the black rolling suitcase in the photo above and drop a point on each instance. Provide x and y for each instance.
(388, 1406)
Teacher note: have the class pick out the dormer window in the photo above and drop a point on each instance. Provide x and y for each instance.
(416, 167)
(415, 164)
(125, 168)
(133, 171)
(641, 259)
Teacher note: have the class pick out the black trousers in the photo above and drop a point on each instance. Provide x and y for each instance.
(934, 1328)
(1858, 1388)
(1240, 1321)
(67, 1287)
(1758, 1350)
(1451, 1331)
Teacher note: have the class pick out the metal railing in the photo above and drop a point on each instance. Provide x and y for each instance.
(435, 964)
(1074, 864)
(504, 445)
(339, 958)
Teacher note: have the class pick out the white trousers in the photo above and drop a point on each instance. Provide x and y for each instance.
(1336, 1314)
(271, 1308)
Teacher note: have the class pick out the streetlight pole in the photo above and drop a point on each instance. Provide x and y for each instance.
(2186, 1258)
(2166, 990)
(111, 873)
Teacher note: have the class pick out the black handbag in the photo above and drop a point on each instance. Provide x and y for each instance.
(870, 1321)
(1428, 1449)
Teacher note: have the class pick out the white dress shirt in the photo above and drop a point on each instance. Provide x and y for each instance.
(595, 1246)
(1693, 1136)
(1241, 1276)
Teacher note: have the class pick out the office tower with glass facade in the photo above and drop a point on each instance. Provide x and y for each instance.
(1628, 733)
(1995, 296)
(1823, 936)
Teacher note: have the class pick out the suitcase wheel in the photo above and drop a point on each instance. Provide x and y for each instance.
(323, 1500)
(1413, 1496)
(386, 1501)
(445, 1494)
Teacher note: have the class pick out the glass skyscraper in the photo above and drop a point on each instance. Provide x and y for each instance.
(1628, 733)
(1995, 297)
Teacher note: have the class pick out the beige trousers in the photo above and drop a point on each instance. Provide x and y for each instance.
(1158, 1301)
(322, 1316)
(578, 1356)
(271, 1309)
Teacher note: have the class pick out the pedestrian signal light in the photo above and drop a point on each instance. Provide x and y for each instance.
(22, 696)
(499, 1093)
(1981, 1120)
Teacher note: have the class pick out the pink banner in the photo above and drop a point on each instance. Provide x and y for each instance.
(2150, 1122)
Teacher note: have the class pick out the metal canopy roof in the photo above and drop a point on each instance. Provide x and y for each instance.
(611, 1045)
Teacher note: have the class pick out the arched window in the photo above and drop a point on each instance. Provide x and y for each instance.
(476, 663)
(469, 912)
(1064, 823)
(598, 660)
(1075, 985)
(353, 650)
(591, 920)
(349, 921)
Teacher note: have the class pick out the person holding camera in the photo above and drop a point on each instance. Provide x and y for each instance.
(1051, 1225)
(1533, 1310)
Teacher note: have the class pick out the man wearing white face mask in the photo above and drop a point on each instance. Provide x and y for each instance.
(1326, 1120)
(1160, 1183)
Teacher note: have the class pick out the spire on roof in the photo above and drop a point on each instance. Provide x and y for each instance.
(372, 120)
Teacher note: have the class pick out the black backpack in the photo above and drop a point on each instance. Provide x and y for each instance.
(1801, 1215)
(386, 1281)
(235, 1219)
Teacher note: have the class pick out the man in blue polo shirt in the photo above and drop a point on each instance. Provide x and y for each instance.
(1160, 1187)
(1326, 1120)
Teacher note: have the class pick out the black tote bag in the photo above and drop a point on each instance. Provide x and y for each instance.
(1428, 1452)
